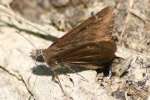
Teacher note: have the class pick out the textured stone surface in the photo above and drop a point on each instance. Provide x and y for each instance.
(22, 79)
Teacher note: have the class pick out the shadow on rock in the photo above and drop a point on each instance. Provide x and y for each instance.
(41, 70)
(44, 70)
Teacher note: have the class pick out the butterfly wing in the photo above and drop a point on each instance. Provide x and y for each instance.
(88, 43)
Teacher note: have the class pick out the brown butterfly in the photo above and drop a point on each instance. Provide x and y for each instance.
(89, 45)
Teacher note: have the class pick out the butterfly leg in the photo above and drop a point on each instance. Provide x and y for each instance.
(110, 72)
(56, 79)
(70, 69)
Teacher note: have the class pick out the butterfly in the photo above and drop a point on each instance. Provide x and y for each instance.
(89, 45)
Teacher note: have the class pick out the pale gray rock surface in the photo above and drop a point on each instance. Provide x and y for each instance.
(22, 79)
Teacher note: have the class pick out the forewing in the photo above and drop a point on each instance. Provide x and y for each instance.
(95, 27)
(89, 43)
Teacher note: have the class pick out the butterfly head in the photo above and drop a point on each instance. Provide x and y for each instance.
(37, 55)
